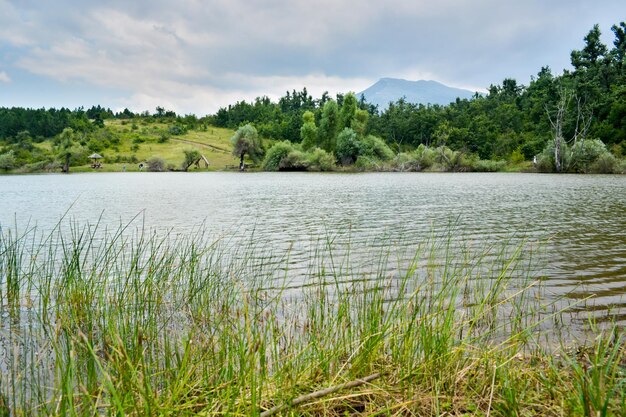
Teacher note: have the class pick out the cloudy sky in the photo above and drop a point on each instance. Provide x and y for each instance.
(194, 56)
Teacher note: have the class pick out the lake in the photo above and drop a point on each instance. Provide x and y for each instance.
(578, 222)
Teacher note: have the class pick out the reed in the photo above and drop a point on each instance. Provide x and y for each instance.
(129, 322)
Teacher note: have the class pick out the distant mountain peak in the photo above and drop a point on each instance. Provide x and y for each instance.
(388, 90)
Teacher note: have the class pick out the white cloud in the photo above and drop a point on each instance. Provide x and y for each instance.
(203, 99)
(4, 77)
(195, 56)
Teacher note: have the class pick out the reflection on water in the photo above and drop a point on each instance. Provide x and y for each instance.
(580, 218)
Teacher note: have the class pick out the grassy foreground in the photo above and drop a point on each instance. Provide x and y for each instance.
(129, 323)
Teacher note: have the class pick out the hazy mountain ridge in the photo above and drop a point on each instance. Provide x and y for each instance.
(388, 90)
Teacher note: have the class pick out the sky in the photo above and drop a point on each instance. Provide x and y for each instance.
(195, 56)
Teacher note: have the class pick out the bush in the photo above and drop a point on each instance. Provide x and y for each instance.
(156, 164)
(404, 161)
(587, 156)
(275, 155)
(420, 159)
(424, 157)
(584, 154)
(176, 130)
(320, 160)
(447, 159)
(375, 148)
(368, 163)
(40, 166)
(348, 147)
(517, 157)
(488, 165)
(7, 161)
(605, 164)
(545, 160)
(295, 160)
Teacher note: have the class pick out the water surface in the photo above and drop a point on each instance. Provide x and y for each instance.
(579, 220)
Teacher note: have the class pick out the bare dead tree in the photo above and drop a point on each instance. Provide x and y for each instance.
(557, 117)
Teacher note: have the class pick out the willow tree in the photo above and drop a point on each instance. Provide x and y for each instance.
(246, 141)
(192, 156)
(68, 147)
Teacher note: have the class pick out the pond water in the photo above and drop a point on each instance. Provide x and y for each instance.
(580, 220)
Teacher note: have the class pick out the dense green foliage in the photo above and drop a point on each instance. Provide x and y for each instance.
(286, 156)
(572, 122)
(511, 122)
(246, 141)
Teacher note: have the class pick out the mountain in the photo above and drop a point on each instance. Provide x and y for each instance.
(419, 92)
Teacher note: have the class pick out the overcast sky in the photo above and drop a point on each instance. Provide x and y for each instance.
(194, 56)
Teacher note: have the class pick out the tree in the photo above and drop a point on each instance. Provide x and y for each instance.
(359, 122)
(348, 110)
(192, 156)
(308, 131)
(68, 148)
(593, 51)
(329, 125)
(348, 147)
(7, 161)
(558, 117)
(246, 141)
(619, 50)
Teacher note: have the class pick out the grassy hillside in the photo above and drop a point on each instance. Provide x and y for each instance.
(140, 140)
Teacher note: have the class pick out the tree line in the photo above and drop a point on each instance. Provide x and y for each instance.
(511, 122)
(570, 122)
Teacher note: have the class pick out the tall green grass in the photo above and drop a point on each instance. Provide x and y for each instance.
(128, 322)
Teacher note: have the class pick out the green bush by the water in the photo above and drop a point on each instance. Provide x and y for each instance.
(585, 156)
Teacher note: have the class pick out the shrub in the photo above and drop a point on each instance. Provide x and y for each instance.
(40, 166)
(320, 160)
(368, 163)
(295, 160)
(7, 161)
(424, 157)
(488, 165)
(584, 153)
(348, 147)
(605, 164)
(585, 156)
(420, 159)
(155, 164)
(275, 155)
(375, 148)
(447, 159)
(517, 157)
(545, 160)
(176, 130)
(404, 161)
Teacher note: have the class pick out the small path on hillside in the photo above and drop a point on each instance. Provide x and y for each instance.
(204, 145)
